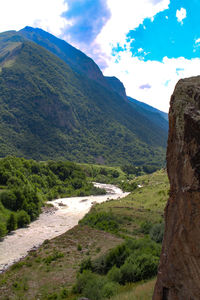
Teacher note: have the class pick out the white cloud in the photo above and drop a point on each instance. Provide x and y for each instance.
(46, 14)
(181, 14)
(126, 15)
(160, 77)
(197, 41)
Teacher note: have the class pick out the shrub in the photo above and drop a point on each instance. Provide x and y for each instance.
(139, 267)
(145, 227)
(114, 173)
(3, 230)
(157, 232)
(101, 220)
(109, 289)
(12, 222)
(79, 247)
(56, 255)
(128, 186)
(86, 264)
(64, 293)
(115, 256)
(9, 200)
(115, 274)
(93, 286)
(23, 219)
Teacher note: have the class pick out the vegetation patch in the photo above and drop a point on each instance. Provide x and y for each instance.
(25, 185)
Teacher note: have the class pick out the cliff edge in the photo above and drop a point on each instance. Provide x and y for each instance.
(179, 269)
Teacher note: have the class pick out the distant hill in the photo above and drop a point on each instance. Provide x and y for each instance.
(51, 110)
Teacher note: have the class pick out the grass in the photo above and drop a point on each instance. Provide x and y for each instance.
(144, 204)
(140, 291)
(54, 265)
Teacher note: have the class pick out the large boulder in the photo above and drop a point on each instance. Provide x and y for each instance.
(179, 269)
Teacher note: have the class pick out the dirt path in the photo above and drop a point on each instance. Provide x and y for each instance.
(64, 215)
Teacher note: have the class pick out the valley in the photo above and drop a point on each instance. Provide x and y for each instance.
(50, 270)
(58, 216)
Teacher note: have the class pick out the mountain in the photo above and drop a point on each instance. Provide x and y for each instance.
(156, 116)
(77, 60)
(145, 107)
(117, 86)
(82, 64)
(49, 110)
(159, 118)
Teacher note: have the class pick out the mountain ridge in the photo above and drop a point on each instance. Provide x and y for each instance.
(58, 113)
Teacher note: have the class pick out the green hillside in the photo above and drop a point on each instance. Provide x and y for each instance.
(49, 112)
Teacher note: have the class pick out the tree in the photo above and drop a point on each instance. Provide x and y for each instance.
(23, 219)
(12, 222)
(3, 230)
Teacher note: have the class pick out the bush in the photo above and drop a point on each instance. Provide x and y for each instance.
(157, 232)
(93, 286)
(9, 200)
(3, 230)
(79, 247)
(128, 186)
(145, 227)
(115, 274)
(109, 289)
(23, 219)
(115, 257)
(139, 267)
(101, 220)
(12, 222)
(56, 255)
(86, 264)
(130, 169)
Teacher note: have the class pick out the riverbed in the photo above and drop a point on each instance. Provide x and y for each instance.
(61, 216)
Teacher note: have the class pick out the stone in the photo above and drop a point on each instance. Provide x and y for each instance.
(179, 268)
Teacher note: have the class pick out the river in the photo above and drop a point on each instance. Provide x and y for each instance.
(64, 214)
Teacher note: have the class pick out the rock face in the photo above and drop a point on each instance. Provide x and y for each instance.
(179, 269)
(117, 86)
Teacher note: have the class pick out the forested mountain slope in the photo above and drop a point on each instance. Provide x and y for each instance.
(49, 111)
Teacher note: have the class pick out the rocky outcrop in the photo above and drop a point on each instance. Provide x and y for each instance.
(179, 269)
(117, 86)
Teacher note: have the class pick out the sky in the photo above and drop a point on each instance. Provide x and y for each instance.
(148, 44)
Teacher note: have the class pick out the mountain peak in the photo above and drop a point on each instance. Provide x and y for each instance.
(75, 58)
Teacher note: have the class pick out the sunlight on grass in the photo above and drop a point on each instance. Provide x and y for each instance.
(139, 292)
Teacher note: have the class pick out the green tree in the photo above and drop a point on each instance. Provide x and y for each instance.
(12, 222)
(3, 230)
(23, 219)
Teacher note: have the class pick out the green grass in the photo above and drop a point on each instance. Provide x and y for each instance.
(140, 291)
(144, 204)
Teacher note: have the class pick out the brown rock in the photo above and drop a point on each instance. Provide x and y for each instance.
(179, 269)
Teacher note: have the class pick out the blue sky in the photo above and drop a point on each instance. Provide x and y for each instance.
(148, 44)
